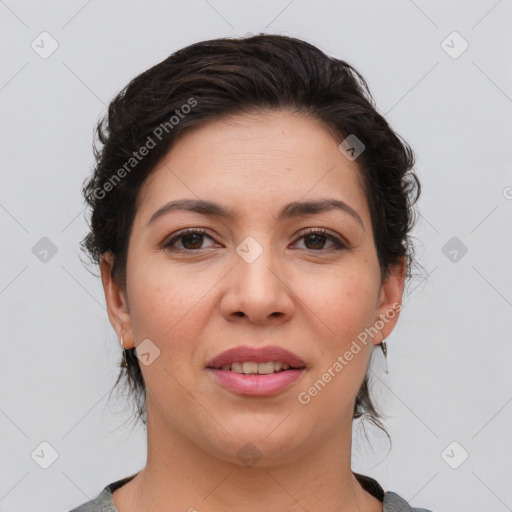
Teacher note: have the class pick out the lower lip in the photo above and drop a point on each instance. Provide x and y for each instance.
(255, 384)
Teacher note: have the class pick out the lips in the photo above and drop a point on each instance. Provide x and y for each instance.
(257, 355)
(258, 380)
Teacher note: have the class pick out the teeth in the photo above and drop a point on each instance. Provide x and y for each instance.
(248, 367)
(237, 367)
(251, 368)
(266, 368)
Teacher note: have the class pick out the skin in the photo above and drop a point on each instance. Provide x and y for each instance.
(299, 294)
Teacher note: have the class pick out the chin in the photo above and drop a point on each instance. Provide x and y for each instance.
(260, 444)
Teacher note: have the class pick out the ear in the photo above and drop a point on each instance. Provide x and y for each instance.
(390, 299)
(117, 303)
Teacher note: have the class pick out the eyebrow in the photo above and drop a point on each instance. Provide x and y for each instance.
(291, 210)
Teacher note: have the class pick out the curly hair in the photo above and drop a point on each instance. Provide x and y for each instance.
(211, 79)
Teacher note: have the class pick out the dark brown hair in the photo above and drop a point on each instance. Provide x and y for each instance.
(211, 79)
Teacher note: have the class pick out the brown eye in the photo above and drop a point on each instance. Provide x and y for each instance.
(187, 240)
(316, 240)
(192, 241)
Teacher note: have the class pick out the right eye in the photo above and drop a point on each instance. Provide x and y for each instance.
(190, 240)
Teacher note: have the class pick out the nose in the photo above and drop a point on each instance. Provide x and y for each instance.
(258, 292)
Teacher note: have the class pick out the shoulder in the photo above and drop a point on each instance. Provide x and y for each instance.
(104, 502)
(391, 502)
(394, 503)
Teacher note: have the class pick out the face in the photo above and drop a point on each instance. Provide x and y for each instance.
(283, 257)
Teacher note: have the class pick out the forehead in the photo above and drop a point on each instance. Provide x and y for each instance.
(255, 160)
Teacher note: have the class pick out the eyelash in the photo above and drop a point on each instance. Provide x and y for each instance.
(338, 242)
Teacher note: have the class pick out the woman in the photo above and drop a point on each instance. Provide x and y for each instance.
(251, 214)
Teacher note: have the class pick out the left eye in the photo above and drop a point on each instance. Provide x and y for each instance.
(315, 241)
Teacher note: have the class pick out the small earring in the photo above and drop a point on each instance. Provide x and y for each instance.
(384, 348)
(124, 363)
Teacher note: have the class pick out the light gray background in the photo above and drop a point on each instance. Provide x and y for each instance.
(449, 358)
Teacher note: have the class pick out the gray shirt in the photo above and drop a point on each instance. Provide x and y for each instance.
(391, 502)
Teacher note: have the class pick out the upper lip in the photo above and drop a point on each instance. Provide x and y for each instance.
(258, 355)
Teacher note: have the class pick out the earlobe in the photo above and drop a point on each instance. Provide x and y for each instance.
(115, 298)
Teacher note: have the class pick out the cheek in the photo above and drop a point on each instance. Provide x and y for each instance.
(345, 302)
(346, 306)
(168, 308)
(166, 305)
(349, 308)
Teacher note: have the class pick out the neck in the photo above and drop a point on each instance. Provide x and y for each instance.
(179, 475)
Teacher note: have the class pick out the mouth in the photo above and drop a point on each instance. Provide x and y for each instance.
(255, 368)
(256, 371)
